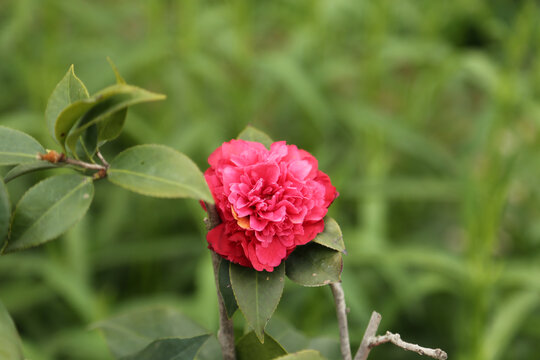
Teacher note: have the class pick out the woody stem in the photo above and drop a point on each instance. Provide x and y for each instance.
(226, 330)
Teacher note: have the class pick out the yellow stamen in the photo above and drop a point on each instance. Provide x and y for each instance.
(243, 222)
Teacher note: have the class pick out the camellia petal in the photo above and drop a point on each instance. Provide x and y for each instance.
(269, 200)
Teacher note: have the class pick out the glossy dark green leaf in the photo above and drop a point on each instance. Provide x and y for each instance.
(49, 209)
(26, 168)
(252, 134)
(170, 349)
(331, 236)
(314, 265)
(249, 347)
(98, 109)
(10, 343)
(69, 90)
(5, 212)
(225, 287)
(303, 355)
(17, 147)
(257, 294)
(134, 330)
(160, 171)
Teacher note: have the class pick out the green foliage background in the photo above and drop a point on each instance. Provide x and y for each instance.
(425, 114)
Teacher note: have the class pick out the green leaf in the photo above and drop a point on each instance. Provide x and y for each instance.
(26, 168)
(69, 90)
(111, 127)
(257, 294)
(134, 330)
(5, 212)
(119, 78)
(249, 346)
(211, 350)
(10, 343)
(17, 147)
(331, 236)
(314, 265)
(225, 287)
(98, 109)
(170, 349)
(160, 171)
(303, 355)
(252, 134)
(49, 209)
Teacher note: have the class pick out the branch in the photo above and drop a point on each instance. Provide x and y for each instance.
(396, 340)
(341, 311)
(369, 341)
(102, 159)
(84, 165)
(226, 330)
(55, 157)
(371, 331)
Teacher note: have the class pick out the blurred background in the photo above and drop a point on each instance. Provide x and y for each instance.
(425, 114)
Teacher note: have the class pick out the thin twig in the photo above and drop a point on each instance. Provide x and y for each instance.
(371, 331)
(226, 329)
(83, 164)
(369, 341)
(341, 311)
(102, 159)
(396, 340)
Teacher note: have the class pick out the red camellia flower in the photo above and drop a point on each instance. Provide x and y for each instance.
(269, 201)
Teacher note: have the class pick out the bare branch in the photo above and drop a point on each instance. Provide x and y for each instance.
(371, 331)
(369, 341)
(226, 329)
(341, 311)
(396, 340)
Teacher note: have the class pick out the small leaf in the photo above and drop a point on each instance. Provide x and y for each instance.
(17, 147)
(110, 129)
(331, 236)
(5, 212)
(160, 171)
(69, 90)
(303, 355)
(257, 294)
(252, 134)
(26, 168)
(134, 330)
(119, 78)
(170, 349)
(10, 343)
(49, 209)
(103, 105)
(225, 287)
(314, 265)
(249, 346)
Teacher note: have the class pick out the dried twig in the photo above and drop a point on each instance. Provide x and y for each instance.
(370, 341)
(226, 330)
(396, 340)
(341, 311)
(371, 331)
